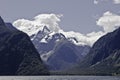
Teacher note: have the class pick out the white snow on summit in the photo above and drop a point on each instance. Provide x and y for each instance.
(32, 27)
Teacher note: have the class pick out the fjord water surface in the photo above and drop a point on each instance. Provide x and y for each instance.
(60, 78)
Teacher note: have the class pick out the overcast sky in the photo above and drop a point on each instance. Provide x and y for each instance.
(78, 15)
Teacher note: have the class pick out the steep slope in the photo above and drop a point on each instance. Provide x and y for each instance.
(49, 40)
(104, 56)
(66, 55)
(41, 41)
(104, 47)
(43, 27)
(52, 45)
(18, 55)
(110, 65)
(60, 53)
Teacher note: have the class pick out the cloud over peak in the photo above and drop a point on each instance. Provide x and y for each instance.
(108, 22)
(33, 26)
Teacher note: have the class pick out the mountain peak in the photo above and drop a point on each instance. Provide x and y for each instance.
(1, 21)
(45, 29)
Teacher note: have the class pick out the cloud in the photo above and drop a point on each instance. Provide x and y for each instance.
(96, 1)
(99, 1)
(116, 1)
(109, 21)
(33, 26)
(84, 39)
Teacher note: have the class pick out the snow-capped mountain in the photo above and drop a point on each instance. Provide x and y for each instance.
(56, 50)
(52, 42)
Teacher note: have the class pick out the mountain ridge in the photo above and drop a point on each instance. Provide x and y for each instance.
(103, 58)
(18, 55)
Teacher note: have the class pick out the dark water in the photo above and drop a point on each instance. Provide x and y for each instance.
(60, 78)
